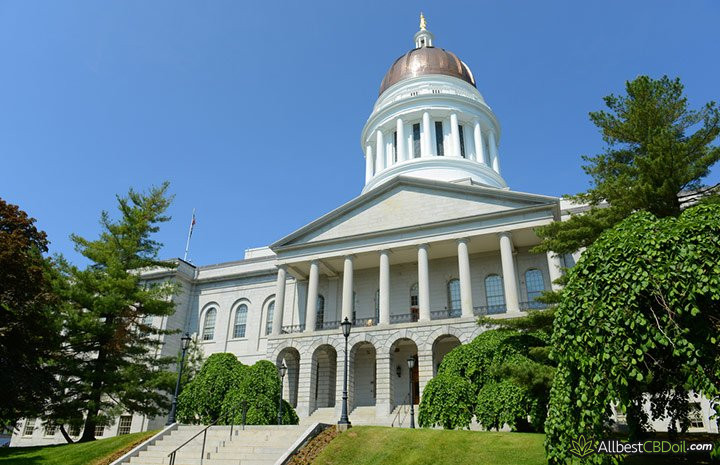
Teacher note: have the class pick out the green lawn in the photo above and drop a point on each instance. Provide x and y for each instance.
(88, 453)
(365, 445)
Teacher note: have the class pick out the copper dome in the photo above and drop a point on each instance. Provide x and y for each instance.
(426, 60)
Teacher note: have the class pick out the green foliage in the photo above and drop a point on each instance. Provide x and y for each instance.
(640, 315)
(447, 401)
(488, 369)
(29, 321)
(201, 401)
(651, 160)
(505, 402)
(224, 386)
(109, 361)
(193, 361)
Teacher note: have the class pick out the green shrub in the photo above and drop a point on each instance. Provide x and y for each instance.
(447, 401)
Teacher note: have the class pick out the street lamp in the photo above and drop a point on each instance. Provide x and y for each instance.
(283, 370)
(411, 365)
(344, 422)
(184, 344)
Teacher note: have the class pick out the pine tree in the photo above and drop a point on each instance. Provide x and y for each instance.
(110, 364)
(652, 161)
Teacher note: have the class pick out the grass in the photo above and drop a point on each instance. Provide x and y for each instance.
(98, 452)
(366, 445)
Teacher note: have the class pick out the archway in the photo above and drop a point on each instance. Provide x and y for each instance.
(291, 357)
(404, 379)
(322, 377)
(441, 347)
(362, 377)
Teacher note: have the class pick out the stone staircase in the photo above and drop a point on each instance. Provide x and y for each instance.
(256, 445)
(358, 416)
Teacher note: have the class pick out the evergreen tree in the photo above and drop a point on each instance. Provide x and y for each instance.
(110, 363)
(29, 323)
(652, 160)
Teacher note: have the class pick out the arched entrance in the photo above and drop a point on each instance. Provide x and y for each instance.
(404, 379)
(322, 377)
(362, 377)
(291, 358)
(441, 347)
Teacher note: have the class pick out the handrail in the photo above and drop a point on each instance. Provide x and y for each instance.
(204, 433)
(402, 407)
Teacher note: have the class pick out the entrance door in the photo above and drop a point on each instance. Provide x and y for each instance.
(416, 381)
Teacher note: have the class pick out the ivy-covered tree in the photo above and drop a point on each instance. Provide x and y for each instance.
(109, 364)
(639, 318)
(657, 150)
(483, 379)
(29, 320)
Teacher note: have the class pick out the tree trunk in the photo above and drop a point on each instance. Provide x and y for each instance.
(93, 405)
(65, 434)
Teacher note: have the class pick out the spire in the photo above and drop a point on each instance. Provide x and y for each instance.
(423, 37)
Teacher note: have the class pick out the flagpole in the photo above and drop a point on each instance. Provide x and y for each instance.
(187, 244)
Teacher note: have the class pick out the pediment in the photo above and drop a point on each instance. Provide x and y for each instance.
(411, 203)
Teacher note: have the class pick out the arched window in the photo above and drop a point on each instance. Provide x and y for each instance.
(269, 319)
(414, 295)
(453, 295)
(535, 286)
(495, 294)
(240, 321)
(208, 333)
(320, 312)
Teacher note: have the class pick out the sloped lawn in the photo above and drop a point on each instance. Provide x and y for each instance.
(100, 452)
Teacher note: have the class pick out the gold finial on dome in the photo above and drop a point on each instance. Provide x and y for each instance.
(423, 23)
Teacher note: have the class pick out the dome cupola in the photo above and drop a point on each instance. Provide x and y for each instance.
(430, 121)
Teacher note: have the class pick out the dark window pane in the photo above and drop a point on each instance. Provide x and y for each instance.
(439, 138)
(395, 157)
(462, 141)
(416, 140)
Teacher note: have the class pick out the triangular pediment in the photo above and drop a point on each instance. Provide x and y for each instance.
(411, 203)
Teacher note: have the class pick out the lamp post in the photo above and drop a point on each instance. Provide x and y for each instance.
(344, 422)
(411, 365)
(184, 344)
(283, 370)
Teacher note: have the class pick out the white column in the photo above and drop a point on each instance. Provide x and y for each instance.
(555, 268)
(493, 151)
(401, 152)
(380, 155)
(347, 289)
(311, 307)
(479, 146)
(423, 283)
(466, 303)
(425, 146)
(384, 286)
(369, 163)
(508, 268)
(455, 134)
(279, 301)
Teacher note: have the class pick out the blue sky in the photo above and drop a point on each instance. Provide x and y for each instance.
(253, 110)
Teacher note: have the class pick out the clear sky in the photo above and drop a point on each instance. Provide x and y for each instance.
(253, 110)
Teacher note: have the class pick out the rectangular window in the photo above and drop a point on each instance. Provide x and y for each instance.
(74, 430)
(416, 140)
(29, 427)
(462, 141)
(50, 429)
(395, 154)
(439, 138)
(124, 425)
(99, 430)
(695, 416)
